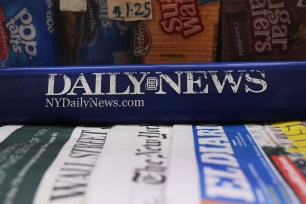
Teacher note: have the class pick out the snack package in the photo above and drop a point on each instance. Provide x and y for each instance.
(254, 30)
(28, 33)
(180, 31)
(89, 37)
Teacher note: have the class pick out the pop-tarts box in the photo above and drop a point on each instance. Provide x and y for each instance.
(28, 33)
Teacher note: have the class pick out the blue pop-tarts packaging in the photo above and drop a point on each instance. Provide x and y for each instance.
(28, 33)
(90, 38)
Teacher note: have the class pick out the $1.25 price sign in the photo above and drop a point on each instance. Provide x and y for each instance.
(129, 10)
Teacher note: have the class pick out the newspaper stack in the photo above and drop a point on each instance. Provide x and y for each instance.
(149, 164)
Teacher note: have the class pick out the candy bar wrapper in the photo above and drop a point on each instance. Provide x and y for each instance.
(235, 164)
(28, 33)
(180, 31)
(254, 30)
(91, 38)
(133, 168)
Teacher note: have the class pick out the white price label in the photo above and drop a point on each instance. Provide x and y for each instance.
(73, 5)
(129, 10)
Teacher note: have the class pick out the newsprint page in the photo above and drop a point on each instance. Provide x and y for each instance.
(151, 164)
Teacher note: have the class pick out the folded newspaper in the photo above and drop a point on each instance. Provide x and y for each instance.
(150, 164)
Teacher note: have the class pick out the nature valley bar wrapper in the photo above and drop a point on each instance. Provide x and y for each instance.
(180, 31)
(261, 30)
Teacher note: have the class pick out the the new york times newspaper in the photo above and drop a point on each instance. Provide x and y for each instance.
(133, 168)
(151, 164)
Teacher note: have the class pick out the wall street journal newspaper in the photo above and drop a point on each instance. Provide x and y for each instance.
(152, 164)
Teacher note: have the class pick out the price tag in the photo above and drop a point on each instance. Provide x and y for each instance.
(129, 10)
(73, 5)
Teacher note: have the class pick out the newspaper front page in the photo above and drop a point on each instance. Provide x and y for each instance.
(237, 164)
(133, 168)
(152, 164)
(47, 164)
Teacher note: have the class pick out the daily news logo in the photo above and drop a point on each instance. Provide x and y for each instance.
(139, 83)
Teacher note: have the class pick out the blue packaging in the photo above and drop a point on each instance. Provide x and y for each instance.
(28, 33)
(90, 38)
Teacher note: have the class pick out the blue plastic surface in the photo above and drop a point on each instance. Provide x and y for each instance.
(186, 93)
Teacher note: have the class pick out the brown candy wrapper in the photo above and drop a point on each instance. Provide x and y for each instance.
(180, 31)
(263, 30)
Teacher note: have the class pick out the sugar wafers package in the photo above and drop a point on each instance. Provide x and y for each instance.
(254, 30)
